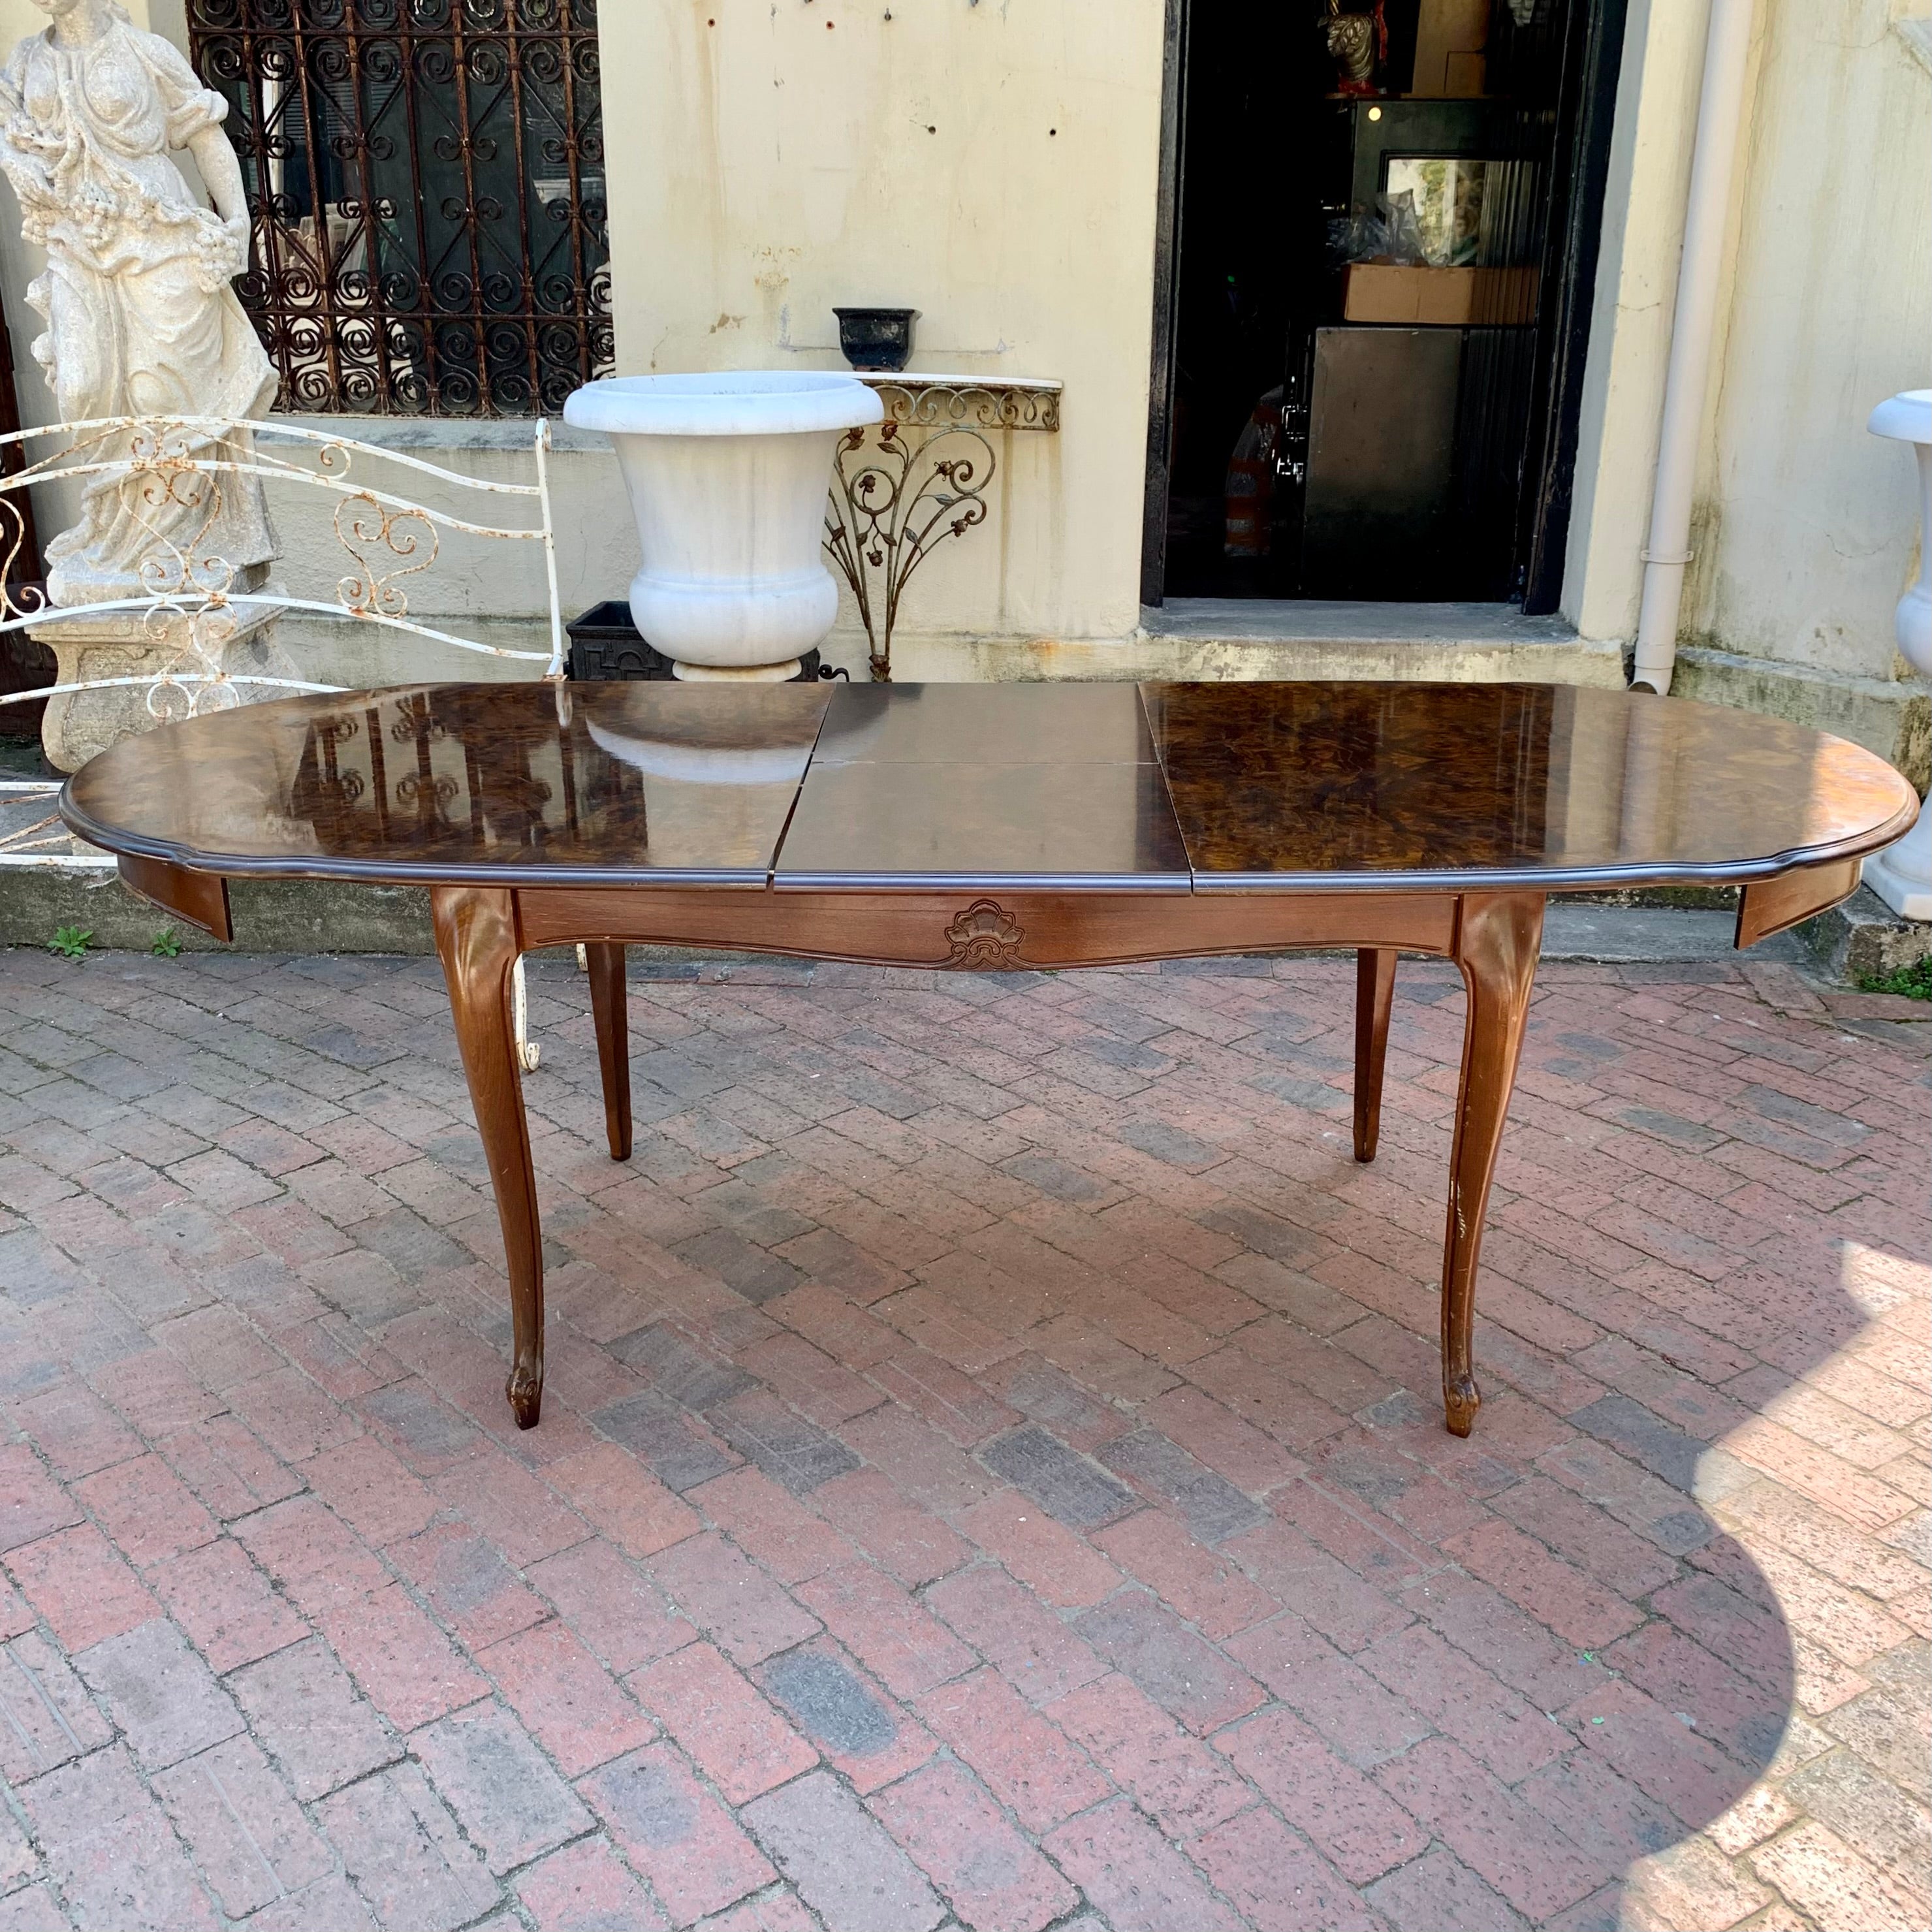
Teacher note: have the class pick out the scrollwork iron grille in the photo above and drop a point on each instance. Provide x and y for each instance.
(427, 182)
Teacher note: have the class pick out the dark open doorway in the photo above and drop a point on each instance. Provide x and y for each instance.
(1377, 249)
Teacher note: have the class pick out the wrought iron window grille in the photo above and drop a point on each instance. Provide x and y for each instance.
(426, 181)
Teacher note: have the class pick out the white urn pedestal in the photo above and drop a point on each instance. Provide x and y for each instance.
(728, 476)
(1902, 874)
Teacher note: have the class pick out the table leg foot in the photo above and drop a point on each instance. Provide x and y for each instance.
(1374, 994)
(525, 1390)
(1498, 936)
(476, 940)
(612, 1018)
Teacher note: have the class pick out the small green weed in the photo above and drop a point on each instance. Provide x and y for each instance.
(167, 943)
(1914, 981)
(71, 942)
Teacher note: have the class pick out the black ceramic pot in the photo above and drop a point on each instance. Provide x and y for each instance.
(876, 338)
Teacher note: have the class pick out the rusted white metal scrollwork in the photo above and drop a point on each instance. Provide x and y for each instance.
(163, 457)
(940, 401)
(168, 473)
(371, 529)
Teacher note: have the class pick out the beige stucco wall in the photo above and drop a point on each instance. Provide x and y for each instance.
(992, 166)
(1807, 524)
(1806, 527)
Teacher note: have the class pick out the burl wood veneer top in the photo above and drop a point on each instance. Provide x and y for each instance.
(1155, 787)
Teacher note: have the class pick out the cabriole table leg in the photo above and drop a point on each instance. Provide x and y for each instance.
(476, 940)
(1498, 936)
(612, 1018)
(1375, 994)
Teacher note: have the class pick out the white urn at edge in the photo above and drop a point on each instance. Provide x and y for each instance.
(728, 476)
(1902, 874)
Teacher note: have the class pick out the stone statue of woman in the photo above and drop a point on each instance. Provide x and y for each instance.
(142, 318)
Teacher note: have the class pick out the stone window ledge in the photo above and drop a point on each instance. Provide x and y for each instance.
(511, 434)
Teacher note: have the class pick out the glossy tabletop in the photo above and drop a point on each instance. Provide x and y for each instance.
(1162, 787)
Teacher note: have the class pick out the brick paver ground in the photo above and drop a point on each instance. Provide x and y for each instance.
(991, 1471)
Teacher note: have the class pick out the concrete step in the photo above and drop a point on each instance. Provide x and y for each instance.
(1626, 934)
(1864, 939)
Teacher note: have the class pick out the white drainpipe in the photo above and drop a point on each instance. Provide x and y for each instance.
(1719, 112)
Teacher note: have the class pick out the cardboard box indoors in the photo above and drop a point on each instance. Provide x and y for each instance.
(1388, 292)
(1449, 37)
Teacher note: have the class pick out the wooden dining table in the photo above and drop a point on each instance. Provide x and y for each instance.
(993, 828)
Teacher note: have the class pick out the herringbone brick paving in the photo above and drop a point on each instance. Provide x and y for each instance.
(990, 1470)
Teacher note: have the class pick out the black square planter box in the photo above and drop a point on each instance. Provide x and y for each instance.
(604, 645)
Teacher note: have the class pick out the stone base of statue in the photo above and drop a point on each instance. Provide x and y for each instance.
(78, 725)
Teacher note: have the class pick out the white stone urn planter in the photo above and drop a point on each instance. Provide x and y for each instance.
(728, 476)
(1902, 874)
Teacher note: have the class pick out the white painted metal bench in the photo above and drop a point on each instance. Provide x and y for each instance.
(192, 599)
